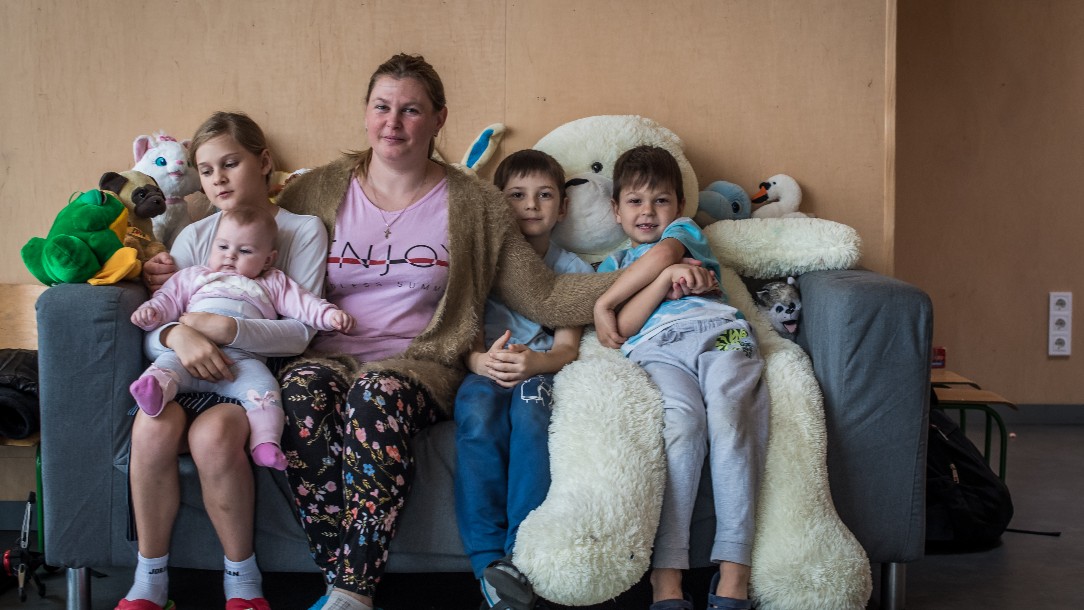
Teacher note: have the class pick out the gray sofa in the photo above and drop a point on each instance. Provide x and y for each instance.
(868, 336)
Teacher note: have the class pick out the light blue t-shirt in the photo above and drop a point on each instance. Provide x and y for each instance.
(692, 307)
(524, 330)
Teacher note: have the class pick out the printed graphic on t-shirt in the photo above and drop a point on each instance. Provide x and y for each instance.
(374, 266)
(231, 285)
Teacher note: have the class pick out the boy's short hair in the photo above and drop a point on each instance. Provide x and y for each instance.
(526, 162)
(261, 217)
(649, 166)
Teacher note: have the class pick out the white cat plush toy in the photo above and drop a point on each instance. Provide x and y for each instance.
(163, 158)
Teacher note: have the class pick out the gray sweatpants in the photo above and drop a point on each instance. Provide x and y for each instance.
(716, 405)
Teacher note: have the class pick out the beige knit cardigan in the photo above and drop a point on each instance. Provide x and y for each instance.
(486, 251)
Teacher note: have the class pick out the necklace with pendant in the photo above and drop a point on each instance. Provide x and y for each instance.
(387, 225)
(399, 213)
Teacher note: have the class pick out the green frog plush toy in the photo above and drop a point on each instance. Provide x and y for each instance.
(85, 244)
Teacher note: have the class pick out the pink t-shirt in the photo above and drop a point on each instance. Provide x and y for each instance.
(387, 269)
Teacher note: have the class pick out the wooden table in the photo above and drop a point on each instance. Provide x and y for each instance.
(954, 391)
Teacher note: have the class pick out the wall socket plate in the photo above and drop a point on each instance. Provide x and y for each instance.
(1060, 328)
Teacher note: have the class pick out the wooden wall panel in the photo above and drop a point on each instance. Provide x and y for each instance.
(754, 88)
(83, 78)
(989, 125)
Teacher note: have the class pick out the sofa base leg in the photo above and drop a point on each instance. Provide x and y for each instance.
(78, 589)
(893, 585)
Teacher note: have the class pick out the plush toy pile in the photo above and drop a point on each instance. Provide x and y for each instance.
(144, 200)
(591, 538)
(164, 159)
(85, 244)
(777, 197)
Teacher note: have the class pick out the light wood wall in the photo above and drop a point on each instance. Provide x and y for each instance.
(990, 120)
(754, 88)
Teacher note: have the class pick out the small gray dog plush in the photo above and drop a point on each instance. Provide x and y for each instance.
(782, 304)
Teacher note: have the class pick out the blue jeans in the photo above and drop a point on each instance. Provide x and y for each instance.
(502, 462)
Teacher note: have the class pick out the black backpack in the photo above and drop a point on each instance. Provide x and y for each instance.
(967, 505)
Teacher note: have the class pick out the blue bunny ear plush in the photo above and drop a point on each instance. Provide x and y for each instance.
(483, 148)
(723, 201)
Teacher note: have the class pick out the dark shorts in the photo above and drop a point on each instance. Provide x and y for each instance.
(195, 403)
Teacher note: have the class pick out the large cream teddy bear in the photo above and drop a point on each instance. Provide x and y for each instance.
(591, 539)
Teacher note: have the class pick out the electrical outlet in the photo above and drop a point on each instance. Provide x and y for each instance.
(1059, 346)
(1061, 302)
(1060, 329)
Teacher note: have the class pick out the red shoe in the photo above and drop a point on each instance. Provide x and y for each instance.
(143, 604)
(237, 603)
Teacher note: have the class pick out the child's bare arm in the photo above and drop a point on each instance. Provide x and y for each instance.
(636, 277)
(677, 278)
(566, 347)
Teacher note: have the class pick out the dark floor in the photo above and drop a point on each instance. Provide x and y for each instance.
(1045, 473)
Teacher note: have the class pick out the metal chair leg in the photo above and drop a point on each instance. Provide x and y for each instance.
(78, 589)
(893, 585)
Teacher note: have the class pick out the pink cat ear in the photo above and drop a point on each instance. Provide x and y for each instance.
(187, 143)
(140, 147)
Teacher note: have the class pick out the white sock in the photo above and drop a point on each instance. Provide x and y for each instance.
(242, 579)
(151, 580)
(489, 593)
(341, 601)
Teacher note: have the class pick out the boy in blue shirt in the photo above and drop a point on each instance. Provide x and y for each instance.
(703, 356)
(502, 410)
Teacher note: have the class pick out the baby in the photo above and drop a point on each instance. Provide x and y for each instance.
(238, 281)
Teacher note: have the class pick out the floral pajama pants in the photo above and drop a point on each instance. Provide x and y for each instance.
(350, 464)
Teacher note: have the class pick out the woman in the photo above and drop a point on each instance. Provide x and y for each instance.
(416, 247)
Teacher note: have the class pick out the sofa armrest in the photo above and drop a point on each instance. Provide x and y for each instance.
(869, 339)
(89, 352)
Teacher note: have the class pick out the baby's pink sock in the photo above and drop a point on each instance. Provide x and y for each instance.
(148, 395)
(269, 455)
